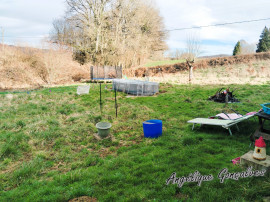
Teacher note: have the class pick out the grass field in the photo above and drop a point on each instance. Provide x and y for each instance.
(48, 151)
(162, 62)
(256, 72)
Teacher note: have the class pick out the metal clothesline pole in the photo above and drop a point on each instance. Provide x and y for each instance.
(115, 102)
(100, 103)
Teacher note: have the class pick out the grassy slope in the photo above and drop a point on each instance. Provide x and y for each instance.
(162, 62)
(47, 151)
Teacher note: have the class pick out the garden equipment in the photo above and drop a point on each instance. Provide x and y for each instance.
(103, 129)
(152, 128)
(224, 96)
(225, 123)
(262, 130)
(266, 108)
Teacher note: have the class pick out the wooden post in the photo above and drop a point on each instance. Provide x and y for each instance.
(121, 71)
(91, 73)
(103, 76)
(97, 76)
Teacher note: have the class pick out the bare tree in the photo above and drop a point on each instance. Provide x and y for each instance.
(247, 48)
(190, 68)
(193, 50)
(193, 46)
(112, 31)
(178, 54)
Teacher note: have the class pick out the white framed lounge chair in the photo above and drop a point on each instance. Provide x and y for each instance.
(220, 122)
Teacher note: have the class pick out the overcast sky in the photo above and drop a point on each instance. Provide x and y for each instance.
(27, 21)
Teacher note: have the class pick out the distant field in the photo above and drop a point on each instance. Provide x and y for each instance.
(162, 62)
(254, 72)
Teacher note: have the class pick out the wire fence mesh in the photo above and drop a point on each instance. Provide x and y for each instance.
(105, 72)
(136, 87)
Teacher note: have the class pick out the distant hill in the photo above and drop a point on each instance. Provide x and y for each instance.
(215, 56)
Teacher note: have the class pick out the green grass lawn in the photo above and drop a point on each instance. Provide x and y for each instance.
(162, 62)
(48, 151)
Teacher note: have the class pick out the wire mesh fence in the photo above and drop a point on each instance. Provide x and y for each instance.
(105, 72)
(136, 87)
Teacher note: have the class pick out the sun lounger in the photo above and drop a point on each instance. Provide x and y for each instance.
(220, 122)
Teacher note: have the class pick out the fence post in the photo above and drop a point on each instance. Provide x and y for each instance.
(91, 73)
(121, 71)
(103, 72)
(106, 72)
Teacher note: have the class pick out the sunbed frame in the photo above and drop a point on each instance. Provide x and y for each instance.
(219, 122)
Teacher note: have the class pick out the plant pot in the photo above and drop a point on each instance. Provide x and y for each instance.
(103, 129)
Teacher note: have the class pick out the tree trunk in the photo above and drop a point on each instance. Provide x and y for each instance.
(190, 73)
(190, 69)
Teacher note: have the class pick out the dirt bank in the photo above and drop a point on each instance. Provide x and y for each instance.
(29, 68)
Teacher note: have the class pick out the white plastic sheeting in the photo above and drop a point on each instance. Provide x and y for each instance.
(81, 90)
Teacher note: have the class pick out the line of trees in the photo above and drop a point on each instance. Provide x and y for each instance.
(111, 32)
(242, 47)
(264, 42)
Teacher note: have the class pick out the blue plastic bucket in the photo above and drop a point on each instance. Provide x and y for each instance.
(152, 128)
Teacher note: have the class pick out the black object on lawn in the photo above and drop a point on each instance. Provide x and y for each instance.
(224, 96)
